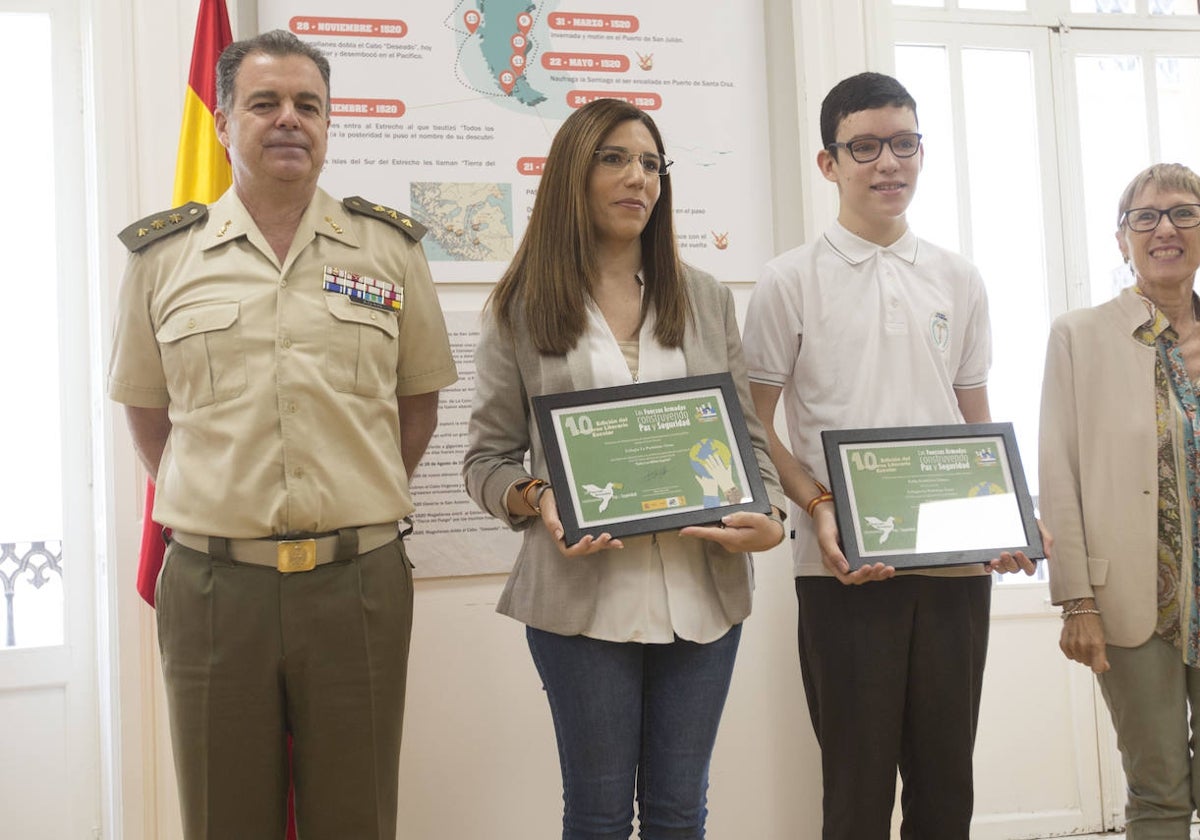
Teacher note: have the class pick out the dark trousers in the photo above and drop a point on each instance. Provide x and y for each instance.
(250, 655)
(893, 671)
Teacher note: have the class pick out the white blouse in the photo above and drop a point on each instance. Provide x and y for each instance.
(656, 587)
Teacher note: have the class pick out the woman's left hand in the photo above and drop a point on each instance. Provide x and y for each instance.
(741, 531)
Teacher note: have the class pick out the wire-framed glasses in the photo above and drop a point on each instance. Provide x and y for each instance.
(618, 157)
(866, 149)
(1143, 219)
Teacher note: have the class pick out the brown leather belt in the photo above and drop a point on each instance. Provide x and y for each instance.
(293, 555)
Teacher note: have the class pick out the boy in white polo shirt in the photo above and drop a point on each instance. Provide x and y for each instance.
(870, 326)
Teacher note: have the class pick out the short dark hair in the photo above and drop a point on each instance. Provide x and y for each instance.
(278, 43)
(863, 92)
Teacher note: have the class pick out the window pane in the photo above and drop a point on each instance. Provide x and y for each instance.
(1008, 232)
(1114, 146)
(1174, 7)
(1109, 7)
(925, 71)
(1178, 84)
(30, 446)
(994, 5)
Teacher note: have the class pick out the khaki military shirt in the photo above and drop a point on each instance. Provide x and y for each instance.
(281, 396)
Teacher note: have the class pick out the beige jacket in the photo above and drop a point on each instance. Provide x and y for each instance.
(546, 590)
(1098, 465)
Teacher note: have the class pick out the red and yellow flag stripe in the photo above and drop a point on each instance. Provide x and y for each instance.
(202, 170)
(202, 173)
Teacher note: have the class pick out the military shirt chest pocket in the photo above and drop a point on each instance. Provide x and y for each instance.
(362, 348)
(202, 354)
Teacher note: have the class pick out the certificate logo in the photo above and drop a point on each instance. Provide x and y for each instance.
(986, 457)
(604, 494)
(882, 527)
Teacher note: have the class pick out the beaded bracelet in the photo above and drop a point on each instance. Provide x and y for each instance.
(1078, 611)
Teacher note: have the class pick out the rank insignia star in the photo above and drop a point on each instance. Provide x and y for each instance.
(411, 228)
(144, 232)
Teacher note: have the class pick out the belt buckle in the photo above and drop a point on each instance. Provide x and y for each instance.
(295, 556)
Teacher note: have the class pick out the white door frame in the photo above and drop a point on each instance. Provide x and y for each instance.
(64, 677)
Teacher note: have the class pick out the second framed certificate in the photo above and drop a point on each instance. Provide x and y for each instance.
(926, 496)
(652, 456)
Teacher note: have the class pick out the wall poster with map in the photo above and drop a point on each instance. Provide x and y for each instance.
(445, 110)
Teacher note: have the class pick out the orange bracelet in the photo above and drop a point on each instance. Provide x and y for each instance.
(532, 484)
(825, 496)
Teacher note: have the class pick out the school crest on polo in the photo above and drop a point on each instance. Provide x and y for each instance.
(939, 330)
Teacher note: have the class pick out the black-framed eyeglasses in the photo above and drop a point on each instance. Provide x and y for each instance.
(866, 149)
(1145, 219)
(618, 157)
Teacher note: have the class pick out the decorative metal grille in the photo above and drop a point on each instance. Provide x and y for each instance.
(38, 560)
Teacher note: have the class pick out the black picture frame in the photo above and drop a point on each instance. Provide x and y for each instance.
(966, 482)
(659, 431)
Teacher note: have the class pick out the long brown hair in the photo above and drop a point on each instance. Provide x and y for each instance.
(548, 280)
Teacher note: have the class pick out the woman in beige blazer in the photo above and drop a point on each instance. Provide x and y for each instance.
(1119, 468)
(634, 639)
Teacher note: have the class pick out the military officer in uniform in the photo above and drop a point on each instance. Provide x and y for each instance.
(279, 354)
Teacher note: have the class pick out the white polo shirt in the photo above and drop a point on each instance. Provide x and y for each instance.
(860, 336)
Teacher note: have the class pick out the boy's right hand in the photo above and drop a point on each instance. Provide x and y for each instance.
(835, 561)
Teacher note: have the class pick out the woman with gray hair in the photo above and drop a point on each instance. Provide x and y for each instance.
(1120, 490)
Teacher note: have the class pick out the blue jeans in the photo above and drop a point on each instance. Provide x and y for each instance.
(634, 719)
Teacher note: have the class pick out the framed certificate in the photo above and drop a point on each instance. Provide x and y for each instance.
(925, 496)
(652, 456)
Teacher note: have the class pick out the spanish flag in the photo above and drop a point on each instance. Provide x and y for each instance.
(202, 173)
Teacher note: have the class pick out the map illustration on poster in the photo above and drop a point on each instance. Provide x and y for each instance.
(445, 110)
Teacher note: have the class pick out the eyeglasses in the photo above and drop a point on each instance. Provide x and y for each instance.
(1145, 219)
(866, 149)
(616, 157)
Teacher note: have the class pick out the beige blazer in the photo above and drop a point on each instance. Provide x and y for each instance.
(546, 590)
(1098, 466)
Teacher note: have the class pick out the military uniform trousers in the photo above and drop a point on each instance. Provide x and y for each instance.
(250, 655)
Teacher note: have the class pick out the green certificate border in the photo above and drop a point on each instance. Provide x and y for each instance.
(928, 496)
(647, 457)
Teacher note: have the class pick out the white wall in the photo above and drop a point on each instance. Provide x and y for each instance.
(479, 757)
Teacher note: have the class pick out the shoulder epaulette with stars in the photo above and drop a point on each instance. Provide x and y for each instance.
(154, 227)
(358, 204)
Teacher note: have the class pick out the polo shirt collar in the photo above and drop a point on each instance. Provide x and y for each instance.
(854, 249)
